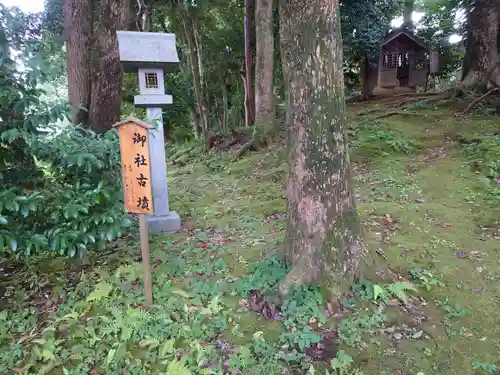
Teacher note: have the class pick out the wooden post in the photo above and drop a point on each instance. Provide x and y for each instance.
(148, 284)
(136, 173)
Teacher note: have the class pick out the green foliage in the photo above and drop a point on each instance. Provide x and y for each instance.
(397, 290)
(264, 275)
(437, 25)
(483, 154)
(364, 24)
(58, 192)
(342, 365)
(76, 206)
(487, 367)
(352, 329)
(383, 143)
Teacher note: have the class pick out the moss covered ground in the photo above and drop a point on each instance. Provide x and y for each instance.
(430, 206)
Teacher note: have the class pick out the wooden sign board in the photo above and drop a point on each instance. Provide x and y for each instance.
(434, 62)
(135, 160)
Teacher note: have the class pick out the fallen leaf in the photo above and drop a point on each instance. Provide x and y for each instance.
(417, 335)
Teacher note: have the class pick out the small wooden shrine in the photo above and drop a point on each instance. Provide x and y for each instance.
(404, 60)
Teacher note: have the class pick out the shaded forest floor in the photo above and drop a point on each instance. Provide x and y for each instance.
(428, 198)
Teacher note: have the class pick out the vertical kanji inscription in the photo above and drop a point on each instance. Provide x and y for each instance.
(134, 153)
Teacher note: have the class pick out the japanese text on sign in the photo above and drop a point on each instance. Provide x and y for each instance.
(135, 166)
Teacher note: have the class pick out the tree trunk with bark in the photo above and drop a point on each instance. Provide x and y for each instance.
(107, 72)
(369, 76)
(323, 240)
(199, 56)
(247, 72)
(94, 68)
(264, 63)
(409, 7)
(78, 24)
(193, 60)
(225, 108)
(481, 50)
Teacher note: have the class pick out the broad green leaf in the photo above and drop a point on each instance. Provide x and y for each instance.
(102, 290)
(377, 291)
(13, 244)
(110, 356)
(167, 348)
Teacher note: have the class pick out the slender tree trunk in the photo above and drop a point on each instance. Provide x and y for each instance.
(264, 64)
(195, 71)
(249, 97)
(481, 50)
(107, 72)
(197, 128)
(193, 109)
(225, 108)
(199, 58)
(409, 7)
(78, 23)
(323, 240)
(245, 89)
(147, 18)
(369, 75)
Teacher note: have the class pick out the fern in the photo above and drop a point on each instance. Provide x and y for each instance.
(400, 290)
(397, 290)
(101, 290)
(177, 368)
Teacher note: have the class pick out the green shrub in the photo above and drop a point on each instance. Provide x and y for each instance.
(76, 206)
(382, 143)
(58, 193)
(484, 155)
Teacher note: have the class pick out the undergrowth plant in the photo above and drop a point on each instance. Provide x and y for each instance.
(59, 192)
(382, 143)
(484, 157)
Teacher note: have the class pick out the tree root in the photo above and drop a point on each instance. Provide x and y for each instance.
(442, 97)
(368, 111)
(476, 101)
(246, 147)
(395, 113)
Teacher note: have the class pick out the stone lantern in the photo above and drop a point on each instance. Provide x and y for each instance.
(150, 55)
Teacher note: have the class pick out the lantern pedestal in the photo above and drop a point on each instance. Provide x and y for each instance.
(164, 224)
(150, 55)
(163, 220)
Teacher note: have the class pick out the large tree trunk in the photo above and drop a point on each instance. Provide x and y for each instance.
(409, 6)
(323, 241)
(107, 72)
(247, 72)
(369, 76)
(264, 63)
(94, 69)
(78, 23)
(481, 54)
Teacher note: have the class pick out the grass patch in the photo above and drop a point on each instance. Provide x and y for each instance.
(428, 197)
